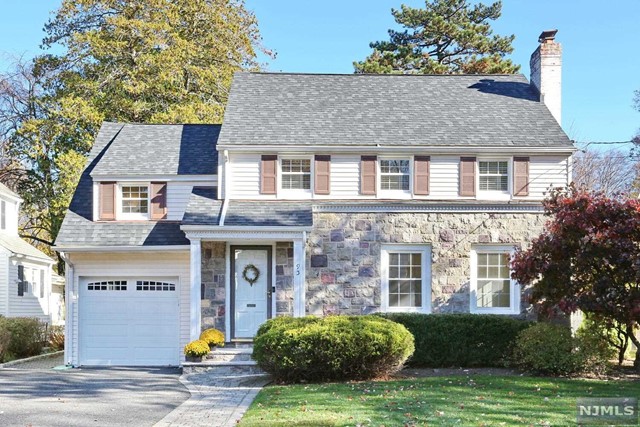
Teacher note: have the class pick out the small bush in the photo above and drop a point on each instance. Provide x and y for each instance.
(545, 348)
(197, 348)
(26, 337)
(592, 351)
(56, 338)
(460, 340)
(333, 348)
(213, 337)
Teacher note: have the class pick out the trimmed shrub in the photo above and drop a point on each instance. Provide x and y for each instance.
(460, 340)
(197, 348)
(545, 348)
(27, 337)
(332, 348)
(213, 337)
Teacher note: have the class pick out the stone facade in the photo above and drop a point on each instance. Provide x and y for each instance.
(344, 253)
(213, 284)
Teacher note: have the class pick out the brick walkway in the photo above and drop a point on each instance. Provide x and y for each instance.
(216, 400)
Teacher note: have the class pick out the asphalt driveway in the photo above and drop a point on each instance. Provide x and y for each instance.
(89, 397)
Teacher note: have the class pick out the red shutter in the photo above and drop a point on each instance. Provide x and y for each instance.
(421, 175)
(268, 174)
(368, 175)
(158, 200)
(107, 200)
(322, 172)
(520, 176)
(467, 176)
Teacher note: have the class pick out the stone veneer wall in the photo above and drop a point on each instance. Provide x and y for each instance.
(343, 271)
(213, 284)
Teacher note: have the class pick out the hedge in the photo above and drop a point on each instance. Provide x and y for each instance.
(333, 348)
(460, 340)
(20, 337)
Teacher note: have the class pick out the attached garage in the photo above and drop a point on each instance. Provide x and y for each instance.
(129, 321)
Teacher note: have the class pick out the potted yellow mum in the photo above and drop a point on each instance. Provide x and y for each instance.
(213, 337)
(195, 350)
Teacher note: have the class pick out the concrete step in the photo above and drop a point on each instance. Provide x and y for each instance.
(230, 355)
(222, 368)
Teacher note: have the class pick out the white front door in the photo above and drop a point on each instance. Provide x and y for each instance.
(251, 267)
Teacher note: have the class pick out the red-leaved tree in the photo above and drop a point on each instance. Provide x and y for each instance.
(588, 258)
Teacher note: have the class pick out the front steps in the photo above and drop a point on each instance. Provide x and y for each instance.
(226, 361)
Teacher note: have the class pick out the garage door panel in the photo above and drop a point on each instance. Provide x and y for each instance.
(129, 327)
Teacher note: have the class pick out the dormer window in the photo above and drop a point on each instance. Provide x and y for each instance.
(296, 174)
(494, 176)
(3, 215)
(135, 201)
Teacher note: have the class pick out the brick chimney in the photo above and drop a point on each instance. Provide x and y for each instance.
(546, 72)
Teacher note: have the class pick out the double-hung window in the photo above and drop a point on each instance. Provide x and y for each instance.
(295, 174)
(492, 289)
(134, 201)
(493, 175)
(395, 174)
(406, 278)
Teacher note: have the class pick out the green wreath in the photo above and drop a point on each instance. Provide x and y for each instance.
(251, 274)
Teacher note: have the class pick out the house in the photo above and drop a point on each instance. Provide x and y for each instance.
(25, 272)
(319, 194)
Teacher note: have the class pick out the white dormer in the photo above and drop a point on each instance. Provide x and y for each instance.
(9, 211)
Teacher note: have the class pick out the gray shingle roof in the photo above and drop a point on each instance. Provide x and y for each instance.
(203, 208)
(78, 229)
(433, 110)
(16, 245)
(161, 150)
(269, 214)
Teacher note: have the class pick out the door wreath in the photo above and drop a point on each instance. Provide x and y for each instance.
(251, 274)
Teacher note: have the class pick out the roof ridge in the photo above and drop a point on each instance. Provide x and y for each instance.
(290, 73)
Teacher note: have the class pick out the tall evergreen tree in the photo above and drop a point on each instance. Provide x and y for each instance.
(446, 37)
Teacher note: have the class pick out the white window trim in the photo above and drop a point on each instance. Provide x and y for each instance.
(296, 192)
(394, 194)
(492, 194)
(120, 215)
(425, 250)
(514, 308)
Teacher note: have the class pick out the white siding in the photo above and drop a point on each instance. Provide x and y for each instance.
(244, 171)
(30, 304)
(11, 219)
(345, 176)
(130, 264)
(545, 172)
(443, 176)
(178, 193)
(4, 282)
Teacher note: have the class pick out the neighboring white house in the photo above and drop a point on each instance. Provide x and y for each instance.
(319, 194)
(25, 272)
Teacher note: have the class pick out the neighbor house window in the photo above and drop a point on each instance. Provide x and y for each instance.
(394, 174)
(406, 278)
(493, 175)
(492, 289)
(135, 199)
(296, 174)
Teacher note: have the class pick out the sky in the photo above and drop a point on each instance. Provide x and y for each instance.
(601, 58)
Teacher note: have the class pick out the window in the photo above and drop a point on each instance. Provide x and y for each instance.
(296, 174)
(493, 290)
(150, 285)
(109, 285)
(406, 278)
(394, 174)
(494, 175)
(135, 199)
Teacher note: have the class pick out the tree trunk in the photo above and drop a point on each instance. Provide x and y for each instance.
(634, 340)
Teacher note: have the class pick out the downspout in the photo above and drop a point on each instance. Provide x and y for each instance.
(225, 205)
(68, 313)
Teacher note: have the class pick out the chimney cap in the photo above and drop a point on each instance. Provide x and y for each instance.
(547, 36)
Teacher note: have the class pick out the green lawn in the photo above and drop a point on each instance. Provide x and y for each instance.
(456, 400)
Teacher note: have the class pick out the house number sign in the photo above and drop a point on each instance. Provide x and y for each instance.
(297, 269)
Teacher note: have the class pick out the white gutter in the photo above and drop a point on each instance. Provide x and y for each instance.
(163, 248)
(433, 150)
(69, 274)
(242, 228)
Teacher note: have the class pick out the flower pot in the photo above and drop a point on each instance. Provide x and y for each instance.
(196, 359)
(212, 347)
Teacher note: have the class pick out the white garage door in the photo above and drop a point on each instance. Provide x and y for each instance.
(129, 321)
